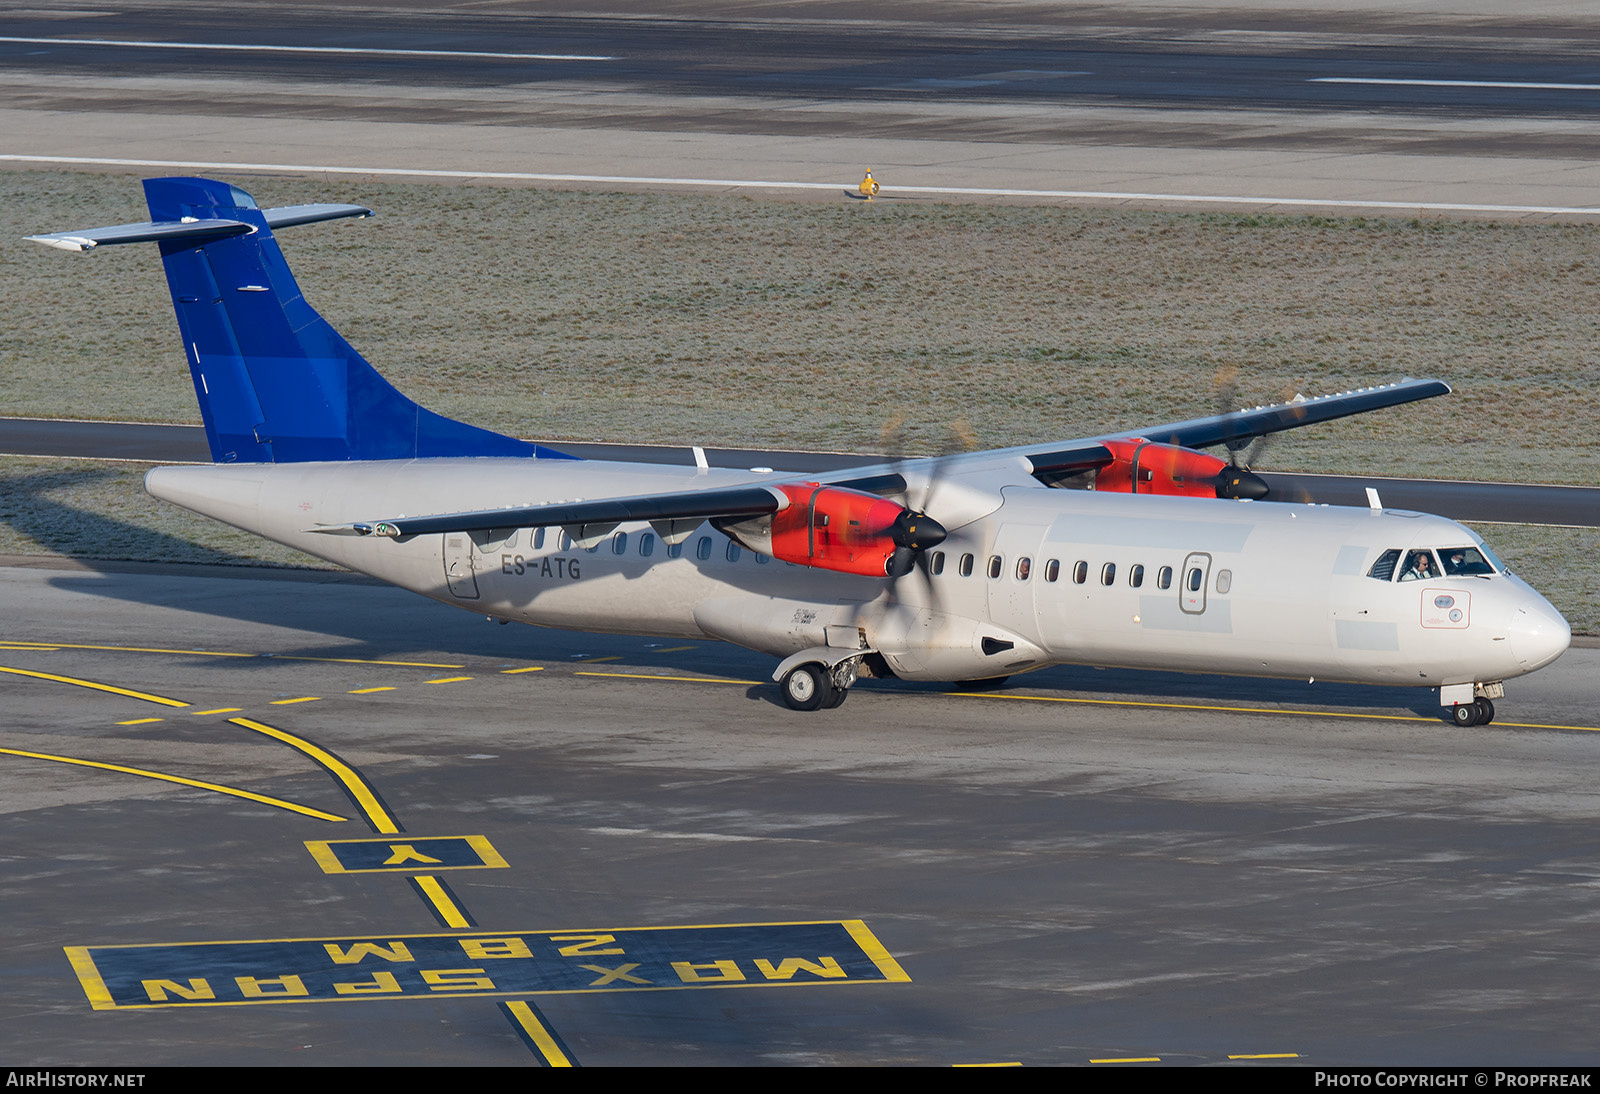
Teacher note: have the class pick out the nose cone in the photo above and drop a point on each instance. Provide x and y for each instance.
(917, 531)
(1236, 482)
(1538, 634)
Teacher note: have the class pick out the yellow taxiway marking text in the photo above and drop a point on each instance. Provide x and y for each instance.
(538, 1034)
(302, 699)
(214, 787)
(354, 784)
(513, 672)
(448, 680)
(452, 915)
(129, 692)
(219, 710)
(652, 676)
(369, 691)
(1246, 710)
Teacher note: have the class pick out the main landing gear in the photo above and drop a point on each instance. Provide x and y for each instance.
(814, 686)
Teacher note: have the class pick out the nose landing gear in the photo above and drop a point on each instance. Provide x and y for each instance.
(1471, 704)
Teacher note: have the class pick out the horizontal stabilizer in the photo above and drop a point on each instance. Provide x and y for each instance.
(194, 231)
(287, 216)
(190, 231)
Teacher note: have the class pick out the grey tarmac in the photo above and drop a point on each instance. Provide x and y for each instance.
(1087, 865)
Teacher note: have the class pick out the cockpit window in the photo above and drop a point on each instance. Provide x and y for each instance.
(1420, 566)
(1464, 562)
(1383, 569)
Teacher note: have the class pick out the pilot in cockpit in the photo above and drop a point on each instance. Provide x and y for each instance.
(1419, 567)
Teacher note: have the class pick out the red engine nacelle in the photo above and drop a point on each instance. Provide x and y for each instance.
(836, 528)
(1143, 467)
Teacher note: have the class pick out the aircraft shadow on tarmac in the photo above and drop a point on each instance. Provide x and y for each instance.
(82, 534)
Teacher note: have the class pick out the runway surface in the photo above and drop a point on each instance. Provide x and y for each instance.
(1164, 105)
(884, 54)
(1088, 867)
(1505, 503)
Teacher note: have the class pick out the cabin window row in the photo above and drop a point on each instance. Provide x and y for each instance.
(1079, 573)
(642, 543)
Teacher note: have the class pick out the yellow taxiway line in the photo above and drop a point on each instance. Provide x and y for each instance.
(161, 776)
(377, 816)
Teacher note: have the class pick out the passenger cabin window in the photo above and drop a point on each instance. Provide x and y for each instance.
(733, 551)
(1024, 568)
(965, 568)
(1136, 576)
(619, 543)
(936, 563)
(1383, 569)
(647, 544)
(1224, 580)
(994, 566)
(1052, 569)
(702, 550)
(1108, 573)
(1164, 577)
(1080, 572)
(761, 559)
(675, 550)
(1196, 578)
(564, 541)
(538, 539)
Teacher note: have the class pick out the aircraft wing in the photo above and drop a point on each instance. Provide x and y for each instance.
(1237, 428)
(732, 502)
(590, 519)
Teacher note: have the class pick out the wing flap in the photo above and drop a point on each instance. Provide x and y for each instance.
(587, 517)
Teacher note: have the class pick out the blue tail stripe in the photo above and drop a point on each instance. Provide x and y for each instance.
(276, 383)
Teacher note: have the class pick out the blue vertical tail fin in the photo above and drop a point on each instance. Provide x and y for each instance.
(276, 382)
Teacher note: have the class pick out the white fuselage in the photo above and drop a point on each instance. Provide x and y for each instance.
(1110, 579)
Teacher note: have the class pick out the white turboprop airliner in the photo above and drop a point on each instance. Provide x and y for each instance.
(963, 568)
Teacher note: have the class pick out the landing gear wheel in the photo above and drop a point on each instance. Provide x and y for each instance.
(838, 698)
(808, 688)
(1486, 709)
(1465, 714)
